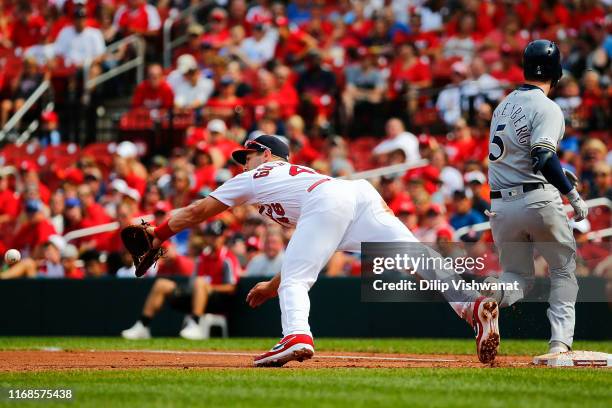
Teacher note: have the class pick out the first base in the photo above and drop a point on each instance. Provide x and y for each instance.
(575, 359)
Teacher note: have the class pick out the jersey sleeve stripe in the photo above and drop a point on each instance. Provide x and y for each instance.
(545, 146)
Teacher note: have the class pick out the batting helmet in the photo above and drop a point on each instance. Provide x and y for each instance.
(542, 61)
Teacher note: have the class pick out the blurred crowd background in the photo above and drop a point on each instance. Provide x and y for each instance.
(146, 101)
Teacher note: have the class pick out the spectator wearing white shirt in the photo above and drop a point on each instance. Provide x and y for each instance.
(450, 99)
(191, 88)
(259, 48)
(270, 261)
(482, 87)
(77, 43)
(398, 139)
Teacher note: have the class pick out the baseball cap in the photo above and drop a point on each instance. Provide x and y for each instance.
(33, 206)
(475, 177)
(216, 125)
(215, 228)
(260, 144)
(70, 252)
(186, 63)
(72, 202)
(127, 149)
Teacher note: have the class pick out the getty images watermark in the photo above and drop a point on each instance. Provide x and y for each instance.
(407, 272)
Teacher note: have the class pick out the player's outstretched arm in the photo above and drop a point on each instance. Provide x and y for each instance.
(186, 217)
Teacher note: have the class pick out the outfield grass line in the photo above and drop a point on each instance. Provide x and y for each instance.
(237, 354)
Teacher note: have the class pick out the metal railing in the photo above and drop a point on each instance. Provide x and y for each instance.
(384, 171)
(31, 101)
(595, 202)
(168, 43)
(135, 63)
(102, 228)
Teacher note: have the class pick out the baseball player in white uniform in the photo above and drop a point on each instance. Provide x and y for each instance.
(526, 180)
(328, 215)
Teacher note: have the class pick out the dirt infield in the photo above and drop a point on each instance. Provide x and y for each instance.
(18, 361)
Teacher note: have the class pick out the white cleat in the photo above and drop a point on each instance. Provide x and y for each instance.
(557, 347)
(137, 332)
(192, 330)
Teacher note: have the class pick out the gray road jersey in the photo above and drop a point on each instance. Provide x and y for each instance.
(525, 119)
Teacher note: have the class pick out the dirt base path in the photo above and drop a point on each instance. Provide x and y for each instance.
(17, 361)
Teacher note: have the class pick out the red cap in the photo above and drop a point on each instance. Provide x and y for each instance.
(445, 233)
(74, 175)
(49, 117)
(406, 207)
(28, 165)
(282, 21)
(254, 243)
(436, 208)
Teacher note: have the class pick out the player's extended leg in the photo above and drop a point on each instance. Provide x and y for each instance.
(316, 237)
(374, 222)
(509, 225)
(555, 241)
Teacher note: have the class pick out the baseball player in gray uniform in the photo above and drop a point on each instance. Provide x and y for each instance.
(526, 181)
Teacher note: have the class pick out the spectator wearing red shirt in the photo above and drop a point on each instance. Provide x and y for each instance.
(35, 231)
(174, 264)
(154, 92)
(507, 70)
(28, 28)
(293, 42)
(302, 151)
(408, 70)
(137, 17)
(9, 201)
(218, 35)
(225, 103)
(93, 211)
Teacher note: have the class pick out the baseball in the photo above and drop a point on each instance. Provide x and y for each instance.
(12, 256)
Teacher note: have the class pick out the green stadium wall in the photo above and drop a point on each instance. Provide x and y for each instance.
(104, 307)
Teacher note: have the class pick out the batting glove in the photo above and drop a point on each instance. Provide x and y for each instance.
(580, 208)
(573, 179)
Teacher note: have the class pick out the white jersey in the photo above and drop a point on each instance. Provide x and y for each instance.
(279, 188)
(526, 119)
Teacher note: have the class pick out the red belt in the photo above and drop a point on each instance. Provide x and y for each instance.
(316, 183)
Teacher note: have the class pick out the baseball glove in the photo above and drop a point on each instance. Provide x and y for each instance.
(139, 243)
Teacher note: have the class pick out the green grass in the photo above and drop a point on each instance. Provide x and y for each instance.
(325, 388)
(354, 387)
(409, 346)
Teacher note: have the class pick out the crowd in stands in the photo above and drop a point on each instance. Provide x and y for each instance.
(350, 85)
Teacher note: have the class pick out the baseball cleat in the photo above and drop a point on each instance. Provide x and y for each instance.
(298, 347)
(485, 322)
(137, 332)
(558, 347)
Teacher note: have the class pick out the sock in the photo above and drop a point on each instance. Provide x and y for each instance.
(196, 318)
(146, 321)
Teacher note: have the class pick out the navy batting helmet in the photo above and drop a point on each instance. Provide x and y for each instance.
(542, 61)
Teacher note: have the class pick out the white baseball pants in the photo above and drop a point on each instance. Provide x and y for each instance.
(339, 215)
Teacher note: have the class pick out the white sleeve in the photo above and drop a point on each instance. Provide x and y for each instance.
(236, 191)
(62, 43)
(548, 127)
(99, 44)
(153, 17)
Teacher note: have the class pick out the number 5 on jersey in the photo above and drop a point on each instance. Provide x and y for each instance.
(497, 150)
